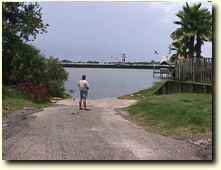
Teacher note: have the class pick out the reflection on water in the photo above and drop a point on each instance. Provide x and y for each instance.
(106, 83)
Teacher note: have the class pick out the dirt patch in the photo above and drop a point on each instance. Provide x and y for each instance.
(12, 123)
(202, 145)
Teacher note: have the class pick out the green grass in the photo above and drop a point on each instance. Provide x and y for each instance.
(177, 115)
(13, 100)
(144, 93)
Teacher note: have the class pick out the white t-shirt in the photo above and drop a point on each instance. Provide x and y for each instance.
(83, 85)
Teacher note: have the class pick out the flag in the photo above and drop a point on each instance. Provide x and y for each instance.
(156, 52)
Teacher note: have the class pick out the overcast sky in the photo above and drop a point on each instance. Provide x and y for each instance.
(104, 30)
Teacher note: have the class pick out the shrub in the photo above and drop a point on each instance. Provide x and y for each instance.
(37, 75)
(28, 66)
(56, 75)
(36, 91)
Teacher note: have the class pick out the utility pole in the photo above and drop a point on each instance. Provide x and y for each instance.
(123, 58)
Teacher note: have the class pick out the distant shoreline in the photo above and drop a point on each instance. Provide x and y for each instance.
(123, 66)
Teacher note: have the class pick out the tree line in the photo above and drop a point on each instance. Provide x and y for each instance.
(22, 62)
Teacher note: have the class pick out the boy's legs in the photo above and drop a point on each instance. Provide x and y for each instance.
(85, 104)
(80, 101)
(80, 104)
(83, 97)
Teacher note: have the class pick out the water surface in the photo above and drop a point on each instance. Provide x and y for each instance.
(105, 82)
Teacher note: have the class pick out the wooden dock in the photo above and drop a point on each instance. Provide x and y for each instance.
(162, 73)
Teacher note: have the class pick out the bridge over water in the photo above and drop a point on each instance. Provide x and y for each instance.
(127, 66)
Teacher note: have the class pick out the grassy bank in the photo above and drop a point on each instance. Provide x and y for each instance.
(177, 115)
(13, 100)
(144, 93)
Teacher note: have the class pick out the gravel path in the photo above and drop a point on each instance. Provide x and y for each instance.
(99, 134)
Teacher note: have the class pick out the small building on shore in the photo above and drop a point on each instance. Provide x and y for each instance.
(165, 61)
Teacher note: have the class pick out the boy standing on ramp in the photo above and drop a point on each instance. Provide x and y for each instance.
(83, 87)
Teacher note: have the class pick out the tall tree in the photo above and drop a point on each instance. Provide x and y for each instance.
(21, 22)
(180, 42)
(195, 28)
(203, 30)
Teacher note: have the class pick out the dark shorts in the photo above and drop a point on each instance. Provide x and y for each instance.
(83, 94)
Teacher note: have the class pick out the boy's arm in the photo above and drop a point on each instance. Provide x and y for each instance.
(88, 86)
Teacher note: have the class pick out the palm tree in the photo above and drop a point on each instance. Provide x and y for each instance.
(180, 42)
(195, 25)
(203, 30)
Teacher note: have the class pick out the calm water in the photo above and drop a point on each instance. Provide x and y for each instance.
(106, 83)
